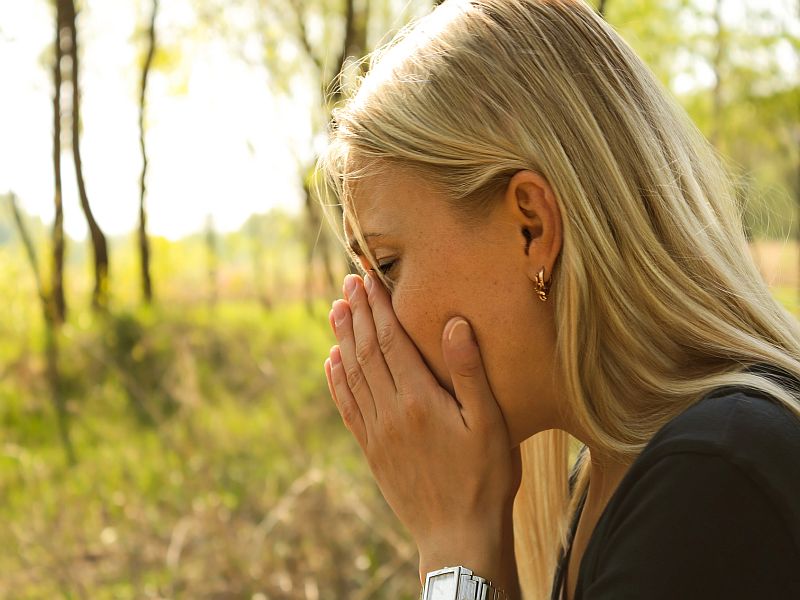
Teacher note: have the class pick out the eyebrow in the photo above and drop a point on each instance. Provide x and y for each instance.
(354, 246)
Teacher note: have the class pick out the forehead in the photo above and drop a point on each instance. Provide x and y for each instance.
(385, 199)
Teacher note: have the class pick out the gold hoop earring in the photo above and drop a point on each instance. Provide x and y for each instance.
(542, 287)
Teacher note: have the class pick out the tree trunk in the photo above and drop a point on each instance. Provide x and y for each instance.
(797, 190)
(98, 238)
(51, 330)
(59, 304)
(212, 261)
(797, 198)
(144, 244)
(719, 57)
(256, 243)
(354, 44)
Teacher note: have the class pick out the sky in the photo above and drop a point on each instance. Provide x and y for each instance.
(220, 142)
(224, 147)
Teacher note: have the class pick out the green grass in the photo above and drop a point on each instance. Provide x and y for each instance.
(211, 464)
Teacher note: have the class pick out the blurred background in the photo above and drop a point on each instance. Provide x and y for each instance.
(166, 274)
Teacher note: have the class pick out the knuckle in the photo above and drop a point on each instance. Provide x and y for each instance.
(386, 337)
(349, 414)
(469, 369)
(354, 377)
(365, 350)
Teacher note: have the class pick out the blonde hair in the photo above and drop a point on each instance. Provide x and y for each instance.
(656, 296)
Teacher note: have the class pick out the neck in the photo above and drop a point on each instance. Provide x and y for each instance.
(605, 474)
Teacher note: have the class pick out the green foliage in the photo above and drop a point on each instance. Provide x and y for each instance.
(755, 123)
(241, 480)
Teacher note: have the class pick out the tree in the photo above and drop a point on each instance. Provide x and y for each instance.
(212, 260)
(57, 270)
(144, 244)
(353, 45)
(51, 331)
(68, 40)
(718, 65)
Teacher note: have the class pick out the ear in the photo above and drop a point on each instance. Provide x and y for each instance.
(534, 207)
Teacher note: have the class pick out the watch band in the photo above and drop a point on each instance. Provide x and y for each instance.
(469, 586)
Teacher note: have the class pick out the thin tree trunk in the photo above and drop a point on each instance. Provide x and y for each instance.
(57, 273)
(797, 190)
(353, 44)
(212, 261)
(56, 392)
(797, 199)
(797, 225)
(144, 244)
(254, 232)
(30, 253)
(51, 330)
(316, 239)
(719, 56)
(99, 245)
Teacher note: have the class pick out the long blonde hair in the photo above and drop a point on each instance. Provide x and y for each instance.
(656, 296)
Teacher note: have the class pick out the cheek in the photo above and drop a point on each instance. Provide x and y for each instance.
(423, 319)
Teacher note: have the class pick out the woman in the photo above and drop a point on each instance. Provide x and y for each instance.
(552, 249)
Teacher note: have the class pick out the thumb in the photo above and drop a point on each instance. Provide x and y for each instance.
(463, 359)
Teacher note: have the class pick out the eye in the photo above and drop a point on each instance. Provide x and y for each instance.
(387, 267)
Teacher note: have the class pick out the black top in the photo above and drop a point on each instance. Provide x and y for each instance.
(709, 509)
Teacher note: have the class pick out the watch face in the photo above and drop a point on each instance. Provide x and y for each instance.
(443, 587)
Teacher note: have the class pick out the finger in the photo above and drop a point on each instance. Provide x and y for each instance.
(354, 376)
(399, 351)
(330, 380)
(368, 352)
(463, 359)
(347, 405)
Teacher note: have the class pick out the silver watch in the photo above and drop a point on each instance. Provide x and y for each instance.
(459, 583)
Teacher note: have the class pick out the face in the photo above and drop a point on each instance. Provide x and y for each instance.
(443, 268)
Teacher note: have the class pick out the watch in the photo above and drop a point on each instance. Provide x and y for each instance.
(459, 583)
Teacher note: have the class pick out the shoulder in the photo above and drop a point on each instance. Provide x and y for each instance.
(712, 497)
(739, 423)
(747, 430)
(736, 437)
(693, 525)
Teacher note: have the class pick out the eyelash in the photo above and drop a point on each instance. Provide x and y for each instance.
(387, 267)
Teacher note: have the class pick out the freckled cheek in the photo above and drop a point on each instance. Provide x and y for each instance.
(424, 321)
(412, 312)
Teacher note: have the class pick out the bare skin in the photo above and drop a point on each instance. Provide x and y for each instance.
(456, 412)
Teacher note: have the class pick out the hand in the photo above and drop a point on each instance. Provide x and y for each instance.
(443, 464)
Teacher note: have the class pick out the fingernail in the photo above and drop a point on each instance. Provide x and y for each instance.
(350, 285)
(338, 313)
(460, 332)
(368, 282)
(336, 356)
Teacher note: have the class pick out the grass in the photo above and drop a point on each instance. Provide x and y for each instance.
(211, 464)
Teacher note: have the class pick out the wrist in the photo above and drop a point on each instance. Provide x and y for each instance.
(485, 563)
(486, 549)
